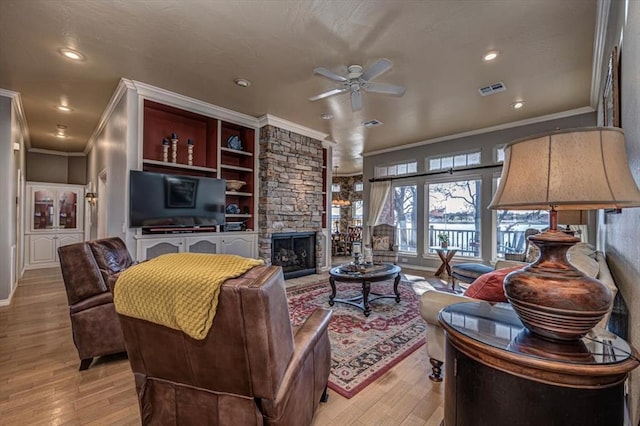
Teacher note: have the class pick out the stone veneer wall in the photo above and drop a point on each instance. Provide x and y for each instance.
(291, 188)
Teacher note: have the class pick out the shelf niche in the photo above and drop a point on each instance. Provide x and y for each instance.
(160, 121)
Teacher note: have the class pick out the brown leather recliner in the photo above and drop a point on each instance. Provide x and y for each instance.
(251, 369)
(90, 270)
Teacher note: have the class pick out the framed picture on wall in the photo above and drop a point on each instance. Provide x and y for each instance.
(611, 94)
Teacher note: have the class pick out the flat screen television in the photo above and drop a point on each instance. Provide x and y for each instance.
(166, 202)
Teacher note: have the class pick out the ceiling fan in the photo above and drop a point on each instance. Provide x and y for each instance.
(358, 80)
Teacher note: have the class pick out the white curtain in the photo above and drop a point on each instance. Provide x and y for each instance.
(377, 197)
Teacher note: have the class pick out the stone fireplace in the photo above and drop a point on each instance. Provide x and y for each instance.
(291, 188)
(295, 253)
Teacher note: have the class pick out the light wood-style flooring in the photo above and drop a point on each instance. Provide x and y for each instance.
(40, 383)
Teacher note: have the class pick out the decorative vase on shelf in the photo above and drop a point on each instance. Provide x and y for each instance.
(174, 148)
(190, 152)
(165, 150)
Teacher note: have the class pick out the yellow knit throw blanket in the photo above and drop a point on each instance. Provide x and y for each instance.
(178, 290)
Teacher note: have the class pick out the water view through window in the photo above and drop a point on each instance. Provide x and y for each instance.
(454, 211)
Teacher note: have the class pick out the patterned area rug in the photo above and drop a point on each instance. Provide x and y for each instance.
(362, 349)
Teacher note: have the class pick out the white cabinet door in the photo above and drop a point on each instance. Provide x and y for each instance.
(243, 245)
(206, 244)
(154, 247)
(54, 207)
(42, 249)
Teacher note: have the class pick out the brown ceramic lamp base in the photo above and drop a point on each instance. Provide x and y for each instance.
(553, 299)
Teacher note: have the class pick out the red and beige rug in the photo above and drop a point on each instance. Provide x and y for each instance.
(362, 349)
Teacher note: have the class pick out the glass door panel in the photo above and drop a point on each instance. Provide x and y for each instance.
(43, 209)
(67, 217)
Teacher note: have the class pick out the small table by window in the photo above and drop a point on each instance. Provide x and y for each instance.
(445, 254)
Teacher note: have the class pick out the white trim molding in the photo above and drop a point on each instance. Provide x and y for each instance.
(602, 17)
(272, 120)
(16, 101)
(543, 118)
(194, 105)
(122, 88)
(61, 153)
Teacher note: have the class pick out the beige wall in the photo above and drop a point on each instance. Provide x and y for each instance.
(77, 170)
(620, 231)
(55, 168)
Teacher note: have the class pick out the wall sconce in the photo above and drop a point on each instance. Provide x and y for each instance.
(91, 198)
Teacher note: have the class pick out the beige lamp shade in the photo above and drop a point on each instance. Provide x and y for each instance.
(578, 169)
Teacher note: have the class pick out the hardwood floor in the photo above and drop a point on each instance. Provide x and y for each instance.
(40, 383)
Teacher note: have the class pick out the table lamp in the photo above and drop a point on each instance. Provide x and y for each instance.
(578, 169)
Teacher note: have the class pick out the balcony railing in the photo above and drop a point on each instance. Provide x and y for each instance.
(468, 241)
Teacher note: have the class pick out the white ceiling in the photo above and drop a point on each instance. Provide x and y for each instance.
(198, 47)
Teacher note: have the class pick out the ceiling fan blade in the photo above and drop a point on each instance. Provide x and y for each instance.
(329, 93)
(356, 100)
(329, 74)
(387, 89)
(378, 68)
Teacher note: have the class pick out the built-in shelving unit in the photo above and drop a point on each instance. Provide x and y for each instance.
(237, 162)
(324, 185)
(221, 149)
(163, 164)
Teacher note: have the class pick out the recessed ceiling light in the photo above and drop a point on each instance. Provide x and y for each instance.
(517, 104)
(490, 56)
(61, 127)
(326, 116)
(72, 54)
(63, 108)
(242, 82)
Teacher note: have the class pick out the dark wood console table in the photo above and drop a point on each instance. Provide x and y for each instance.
(498, 374)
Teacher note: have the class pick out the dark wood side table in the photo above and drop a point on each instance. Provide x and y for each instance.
(382, 272)
(498, 374)
(445, 254)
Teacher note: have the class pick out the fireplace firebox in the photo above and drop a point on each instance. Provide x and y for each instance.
(295, 252)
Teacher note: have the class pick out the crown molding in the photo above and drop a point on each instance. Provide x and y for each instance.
(166, 97)
(60, 153)
(272, 120)
(505, 126)
(16, 101)
(121, 90)
(602, 18)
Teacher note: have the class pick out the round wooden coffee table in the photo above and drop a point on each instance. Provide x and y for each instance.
(373, 273)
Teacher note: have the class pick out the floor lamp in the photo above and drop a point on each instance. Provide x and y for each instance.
(579, 169)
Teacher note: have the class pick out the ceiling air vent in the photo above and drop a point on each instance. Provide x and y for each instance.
(492, 88)
(372, 123)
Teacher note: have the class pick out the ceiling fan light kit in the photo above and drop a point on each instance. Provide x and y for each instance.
(358, 80)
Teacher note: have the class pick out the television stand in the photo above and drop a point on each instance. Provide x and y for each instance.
(177, 230)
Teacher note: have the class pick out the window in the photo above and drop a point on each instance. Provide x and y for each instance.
(335, 187)
(454, 161)
(335, 218)
(500, 154)
(454, 209)
(396, 169)
(356, 212)
(401, 212)
(511, 225)
(358, 186)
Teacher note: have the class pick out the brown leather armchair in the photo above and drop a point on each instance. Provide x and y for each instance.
(251, 369)
(90, 270)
